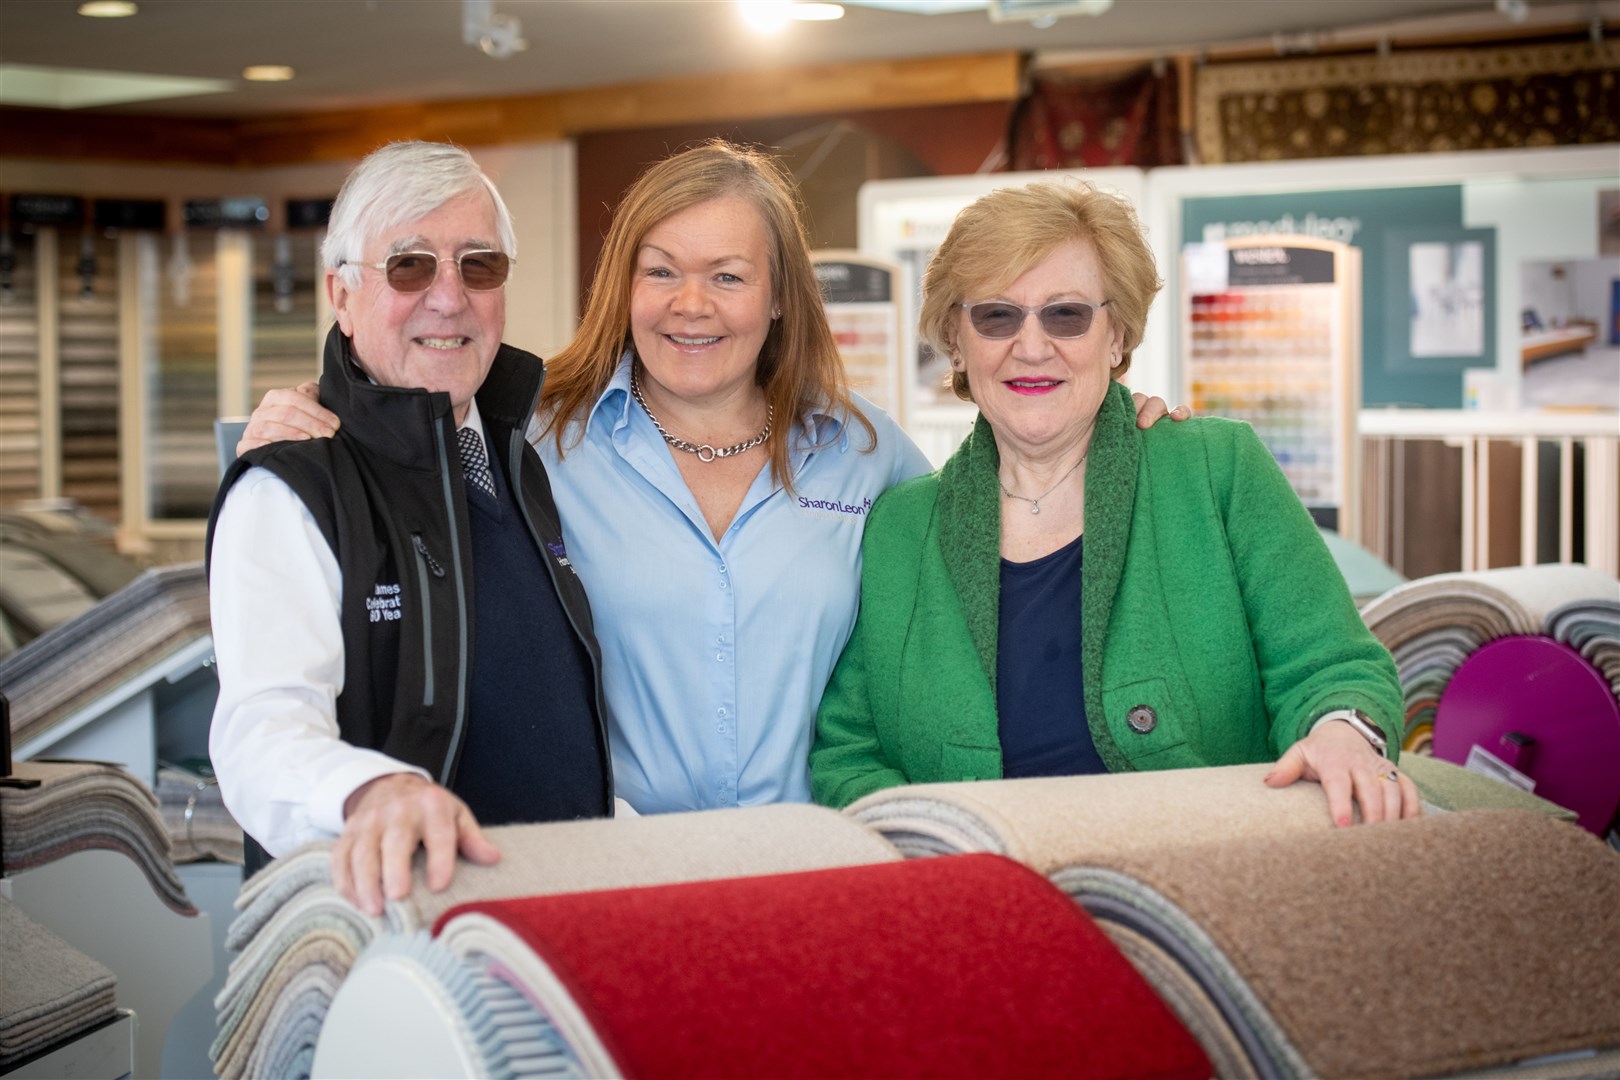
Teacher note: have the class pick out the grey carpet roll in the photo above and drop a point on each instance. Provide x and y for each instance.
(50, 991)
(1412, 948)
(296, 939)
(80, 806)
(194, 813)
(68, 667)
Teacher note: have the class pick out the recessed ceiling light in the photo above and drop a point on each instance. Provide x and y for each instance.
(108, 9)
(267, 73)
(770, 16)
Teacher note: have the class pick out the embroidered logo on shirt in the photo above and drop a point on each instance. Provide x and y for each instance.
(383, 604)
(560, 553)
(834, 506)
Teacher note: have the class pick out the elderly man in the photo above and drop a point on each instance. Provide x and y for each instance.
(404, 650)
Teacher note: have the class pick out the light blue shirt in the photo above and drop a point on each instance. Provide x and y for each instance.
(715, 655)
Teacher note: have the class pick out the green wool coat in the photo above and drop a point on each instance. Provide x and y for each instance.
(1208, 596)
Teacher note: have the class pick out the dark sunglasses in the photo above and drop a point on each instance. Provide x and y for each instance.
(415, 271)
(998, 319)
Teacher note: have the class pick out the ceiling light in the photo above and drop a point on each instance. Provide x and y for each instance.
(267, 73)
(108, 9)
(770, 16)
(76, 88)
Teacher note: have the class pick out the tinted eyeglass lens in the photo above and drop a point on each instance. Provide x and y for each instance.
(414, 271)
(1060, 320)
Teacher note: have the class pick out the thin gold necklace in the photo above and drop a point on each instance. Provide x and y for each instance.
(1035, 503)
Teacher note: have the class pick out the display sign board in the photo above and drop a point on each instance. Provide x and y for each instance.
(859, 295)
(308, 213)
(151, 214)
(47, 210)
(247, 212)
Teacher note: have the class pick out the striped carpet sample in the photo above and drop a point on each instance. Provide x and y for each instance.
(296, 939)
(971, 966)
(194, 814)
(1453, 942)
(50, 991)
(70, 666)
(85, 805)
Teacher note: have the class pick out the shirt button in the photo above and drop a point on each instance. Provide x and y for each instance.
(722, 710)
(720, 657)
(722, 584)
(721, 728)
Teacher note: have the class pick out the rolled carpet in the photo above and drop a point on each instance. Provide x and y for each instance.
(85, 805)
(50, 991)
(1412, 948)
(291, 919)
(972, 966)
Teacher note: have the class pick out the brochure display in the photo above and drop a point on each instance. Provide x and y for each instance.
(1270, 326)
(863, 308)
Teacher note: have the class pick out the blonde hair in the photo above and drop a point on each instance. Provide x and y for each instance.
(1003, 235)
(799, 365)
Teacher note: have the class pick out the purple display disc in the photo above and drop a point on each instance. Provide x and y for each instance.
(1541, 690)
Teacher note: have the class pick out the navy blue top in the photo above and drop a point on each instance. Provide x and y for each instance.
(530, 751)
(1040, 697)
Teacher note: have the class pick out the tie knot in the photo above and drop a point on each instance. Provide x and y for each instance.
(474, 461)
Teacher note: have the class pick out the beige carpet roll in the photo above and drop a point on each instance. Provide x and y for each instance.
(1411, 948)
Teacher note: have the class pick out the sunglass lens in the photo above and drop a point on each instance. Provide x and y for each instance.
(1066, 320)
(993, 320)
(481, 270)
(411, 271)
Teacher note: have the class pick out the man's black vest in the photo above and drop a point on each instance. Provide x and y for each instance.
(388, 495)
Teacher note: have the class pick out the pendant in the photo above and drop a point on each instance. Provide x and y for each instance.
(1035, 506)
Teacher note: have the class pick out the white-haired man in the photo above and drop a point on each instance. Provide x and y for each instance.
(404, 650)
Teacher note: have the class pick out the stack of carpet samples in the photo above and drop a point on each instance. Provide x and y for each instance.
(51, 992)
(51, 809)
(70, 666)
(1434, 624)
(1517, 671)
(193, 810)
(1182, 924)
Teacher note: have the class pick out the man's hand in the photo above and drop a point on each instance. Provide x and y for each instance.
(1336, 756)
(1149, 410)
(288, 415)
(384, 822)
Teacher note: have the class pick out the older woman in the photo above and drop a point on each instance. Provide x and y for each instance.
(712, 471)
(1209, 625)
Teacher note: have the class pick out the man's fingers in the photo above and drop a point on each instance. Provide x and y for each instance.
(440, 838)
(366, 872)
(399, 843)
(475, 845)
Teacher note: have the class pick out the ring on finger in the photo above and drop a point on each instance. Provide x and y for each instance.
(1390, 775)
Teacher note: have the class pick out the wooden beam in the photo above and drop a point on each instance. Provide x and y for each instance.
(352, 133)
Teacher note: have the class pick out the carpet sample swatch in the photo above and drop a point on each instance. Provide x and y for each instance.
(81, 806)
(1426, 947)
(291, 924)
(194, 813)
(973, 966)
(50, 991)
(71, 665)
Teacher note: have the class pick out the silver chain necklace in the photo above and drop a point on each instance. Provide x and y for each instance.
(1035, 503)
(704, 452)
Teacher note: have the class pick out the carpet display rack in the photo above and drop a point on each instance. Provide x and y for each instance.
(792, 941)
(1519, 669)
(66, 668)
(193, 812)
(296, 939)
(1457, 942)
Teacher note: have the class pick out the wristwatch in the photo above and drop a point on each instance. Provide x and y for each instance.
(1358, 720)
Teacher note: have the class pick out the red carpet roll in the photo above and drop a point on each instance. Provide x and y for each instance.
(964, 966)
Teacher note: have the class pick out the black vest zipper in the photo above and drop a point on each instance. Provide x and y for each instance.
(463, 630)
(426, 564)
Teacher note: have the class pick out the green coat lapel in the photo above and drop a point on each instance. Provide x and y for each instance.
(1111, 466)
(970, 538)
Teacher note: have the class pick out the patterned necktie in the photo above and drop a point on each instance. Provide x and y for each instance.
(474, 462)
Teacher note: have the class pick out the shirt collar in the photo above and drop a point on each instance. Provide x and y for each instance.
(474, 421)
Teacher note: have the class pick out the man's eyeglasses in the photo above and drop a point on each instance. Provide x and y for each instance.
(998, 319)
(415, 271)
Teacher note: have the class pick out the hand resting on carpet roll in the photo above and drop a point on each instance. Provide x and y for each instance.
(1336, 756)
(384, 821)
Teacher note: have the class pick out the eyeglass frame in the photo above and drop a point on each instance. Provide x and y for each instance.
(511, 260)
(1093, 305)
